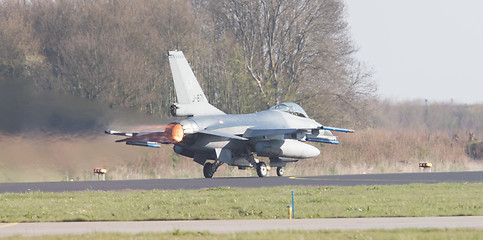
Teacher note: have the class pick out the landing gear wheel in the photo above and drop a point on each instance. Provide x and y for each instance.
(279, 171)
(209, 170)
(262, 170)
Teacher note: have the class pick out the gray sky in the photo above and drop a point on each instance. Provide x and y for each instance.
(421, 49)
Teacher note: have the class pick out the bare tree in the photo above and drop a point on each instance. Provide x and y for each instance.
(296, 49)
(247, 55)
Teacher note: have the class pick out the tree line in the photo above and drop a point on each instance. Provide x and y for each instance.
(247, 54)
(461, 121)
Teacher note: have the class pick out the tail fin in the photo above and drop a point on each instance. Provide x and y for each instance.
(188, 91)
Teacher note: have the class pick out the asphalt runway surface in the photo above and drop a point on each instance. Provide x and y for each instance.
(245, 182)
(214, 226)
(230, 226)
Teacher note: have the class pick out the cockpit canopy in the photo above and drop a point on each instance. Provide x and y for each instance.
(291, 108)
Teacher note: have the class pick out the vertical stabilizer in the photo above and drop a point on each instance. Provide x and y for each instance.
(188, 91)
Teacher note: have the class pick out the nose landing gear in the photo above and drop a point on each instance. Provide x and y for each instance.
(280, 171)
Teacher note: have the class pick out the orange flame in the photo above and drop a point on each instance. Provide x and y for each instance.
(172, 133)
(175, 133)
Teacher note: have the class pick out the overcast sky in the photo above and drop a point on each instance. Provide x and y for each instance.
(421, 49)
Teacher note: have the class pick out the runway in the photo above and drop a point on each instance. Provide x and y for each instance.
(215, 226)
(245, 182)
(230, 226)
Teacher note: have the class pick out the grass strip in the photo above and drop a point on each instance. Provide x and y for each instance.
(408, 234)
(415, 200)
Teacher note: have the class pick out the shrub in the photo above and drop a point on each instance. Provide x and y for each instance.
(474, 149)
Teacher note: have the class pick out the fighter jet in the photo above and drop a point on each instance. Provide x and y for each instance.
(213, 138)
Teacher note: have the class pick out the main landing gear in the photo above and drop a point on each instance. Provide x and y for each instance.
(209, 169)
(262, 170)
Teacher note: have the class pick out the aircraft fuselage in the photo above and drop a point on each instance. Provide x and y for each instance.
(273, 145)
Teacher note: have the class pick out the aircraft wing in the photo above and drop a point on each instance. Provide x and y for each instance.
(311, 135)
(146, 139)
(221, 134)
(260, 132)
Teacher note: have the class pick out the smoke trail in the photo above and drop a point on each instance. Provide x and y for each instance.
(24, 110)
(51, 137)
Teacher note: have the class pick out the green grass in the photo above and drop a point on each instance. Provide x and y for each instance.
(416, 200)
(329, 235)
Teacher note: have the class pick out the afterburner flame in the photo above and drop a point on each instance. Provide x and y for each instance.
(174, 132)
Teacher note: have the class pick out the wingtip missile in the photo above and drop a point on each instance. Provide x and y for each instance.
(118, 133)
(113, 132)
(322, 140)
(338, 129)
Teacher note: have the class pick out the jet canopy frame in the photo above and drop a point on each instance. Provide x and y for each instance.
(292, 108)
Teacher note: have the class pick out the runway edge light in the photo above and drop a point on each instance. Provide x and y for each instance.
(289, 207)
(101, 172)
(425, 165)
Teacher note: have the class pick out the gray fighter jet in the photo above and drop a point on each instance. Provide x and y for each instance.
(212, 138)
